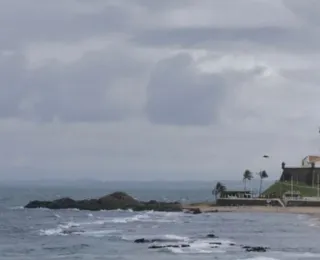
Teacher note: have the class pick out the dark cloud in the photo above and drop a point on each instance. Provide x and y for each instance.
(178, 94)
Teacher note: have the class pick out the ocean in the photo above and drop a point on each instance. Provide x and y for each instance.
(70, 234)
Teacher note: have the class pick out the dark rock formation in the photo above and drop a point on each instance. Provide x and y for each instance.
(193, 211)
(212, 236)
(154, 240)
(255, 248)
(116, 200)
(166, 246)
(215, 243)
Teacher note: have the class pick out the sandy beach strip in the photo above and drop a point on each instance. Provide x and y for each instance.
(263, 209)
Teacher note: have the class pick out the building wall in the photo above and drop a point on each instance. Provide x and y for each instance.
(300, 174)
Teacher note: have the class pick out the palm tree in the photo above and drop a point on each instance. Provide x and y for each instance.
(219, 188)
(247, 176)
(263, 175)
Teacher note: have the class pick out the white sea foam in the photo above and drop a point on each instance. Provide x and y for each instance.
(97, 233)
(69, 225)
(17, 207)
(148, 216)
(313, 222)
(192, 250)
(53, 232)
(61, 230)
(299, 255)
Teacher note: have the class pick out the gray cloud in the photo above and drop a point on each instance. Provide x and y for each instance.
(177, 94)
(308, 11)
(80, 91)
(284, 39)
(134, 108)
(33, 21)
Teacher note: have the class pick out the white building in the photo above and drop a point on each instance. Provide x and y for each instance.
(308, 160)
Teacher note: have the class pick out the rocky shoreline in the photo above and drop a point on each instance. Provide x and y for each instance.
(113, 201)
(121, 200)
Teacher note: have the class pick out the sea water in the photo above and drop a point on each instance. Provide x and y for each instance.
(73, 234)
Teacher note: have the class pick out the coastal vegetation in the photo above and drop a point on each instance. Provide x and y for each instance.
(279, 188)
(218, 189)
(247, 176)
(262, 175)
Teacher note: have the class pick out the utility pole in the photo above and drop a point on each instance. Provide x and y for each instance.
(291, 187)
(318, 184)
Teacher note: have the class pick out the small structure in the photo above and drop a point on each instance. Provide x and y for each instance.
(294, 195)
(309, 160)
(235, 194)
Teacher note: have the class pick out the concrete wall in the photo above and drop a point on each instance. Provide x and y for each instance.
(303, 203)
(247, 202)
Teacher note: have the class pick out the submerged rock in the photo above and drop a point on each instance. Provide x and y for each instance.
(116, 200)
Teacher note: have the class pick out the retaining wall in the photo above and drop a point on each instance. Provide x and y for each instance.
(303, 203)
(248, 202)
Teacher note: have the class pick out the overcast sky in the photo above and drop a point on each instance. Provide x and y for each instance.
(149, 90)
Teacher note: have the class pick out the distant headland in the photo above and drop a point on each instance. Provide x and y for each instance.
(296, 187)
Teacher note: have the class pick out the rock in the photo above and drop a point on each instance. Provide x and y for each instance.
(142, 240)
(255, 248)
(168, 246)
(196, 211)
(116, 200)
(193, 211)
(154, 240)
(215, 243)
(70, 231)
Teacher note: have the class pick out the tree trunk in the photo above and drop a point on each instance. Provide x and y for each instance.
(260, 187)
(245, 185)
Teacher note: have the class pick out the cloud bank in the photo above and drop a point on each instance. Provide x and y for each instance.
(137, 90)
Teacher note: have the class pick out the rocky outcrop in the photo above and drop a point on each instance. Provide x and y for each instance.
(116, 200)
(255, 248)
(193, 211)
(168, 246)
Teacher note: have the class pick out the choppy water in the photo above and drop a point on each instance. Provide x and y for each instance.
(70, 234)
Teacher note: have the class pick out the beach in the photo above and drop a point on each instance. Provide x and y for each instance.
(205, 208)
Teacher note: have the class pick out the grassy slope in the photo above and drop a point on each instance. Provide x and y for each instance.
(280, 187)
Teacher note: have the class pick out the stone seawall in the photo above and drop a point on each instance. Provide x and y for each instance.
(248, 202)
